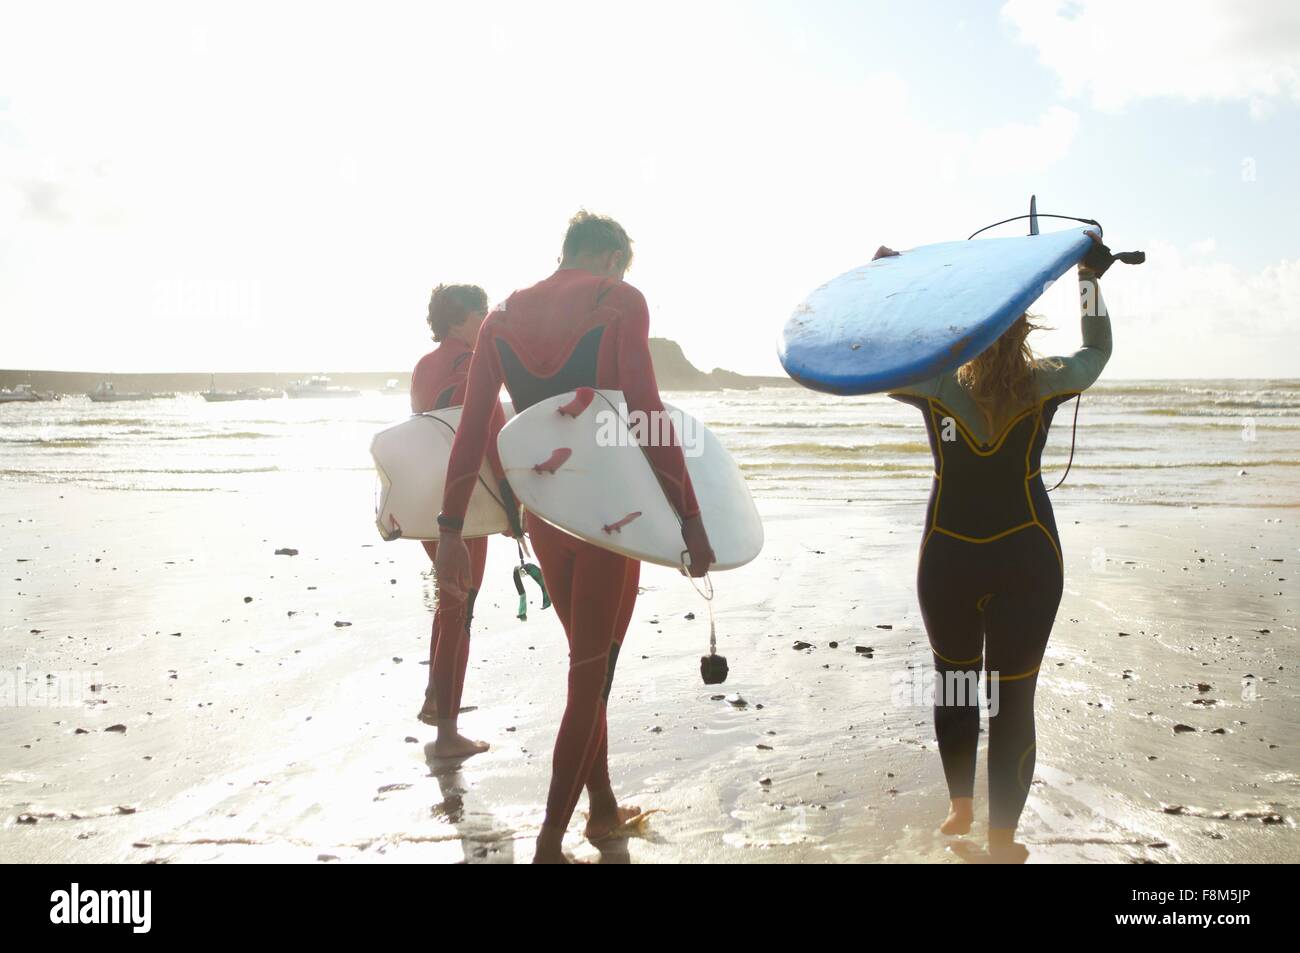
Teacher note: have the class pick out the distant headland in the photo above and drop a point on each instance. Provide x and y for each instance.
(672, 369)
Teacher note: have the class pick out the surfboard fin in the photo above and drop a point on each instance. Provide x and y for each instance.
(1033, 215)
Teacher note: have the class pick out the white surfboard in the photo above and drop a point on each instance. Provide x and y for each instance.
(604, 490)
(412, 459)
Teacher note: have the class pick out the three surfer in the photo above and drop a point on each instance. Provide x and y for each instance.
(990, 572)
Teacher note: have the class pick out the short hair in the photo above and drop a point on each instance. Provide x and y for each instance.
(449, 305)
(591, 234)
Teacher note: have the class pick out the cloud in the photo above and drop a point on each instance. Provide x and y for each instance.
(1019, 149)
(1115, 52)
(1183, 314)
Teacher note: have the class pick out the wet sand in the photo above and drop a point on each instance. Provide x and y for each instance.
(265, 730)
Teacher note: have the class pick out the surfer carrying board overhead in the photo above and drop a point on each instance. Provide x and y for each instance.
(581, 327)
(438, 382)
(991, 573)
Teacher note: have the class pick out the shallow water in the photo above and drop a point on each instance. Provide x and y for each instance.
(1152, 442)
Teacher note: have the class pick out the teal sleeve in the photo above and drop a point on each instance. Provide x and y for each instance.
(1080, 370)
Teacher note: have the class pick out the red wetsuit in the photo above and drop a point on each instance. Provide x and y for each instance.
(438, 381)
(572, 330)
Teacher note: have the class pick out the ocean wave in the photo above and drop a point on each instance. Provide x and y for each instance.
(779, 424)
(847, 468)
(1213, 413)
(1189, 464)
(103, 472)
(835, 450)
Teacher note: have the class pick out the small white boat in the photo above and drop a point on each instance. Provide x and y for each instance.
(106, 393)
(320, 386)
(213, 395)
(24, 393)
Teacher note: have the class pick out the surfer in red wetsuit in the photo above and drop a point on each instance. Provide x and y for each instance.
(581, 327)
(438, 381)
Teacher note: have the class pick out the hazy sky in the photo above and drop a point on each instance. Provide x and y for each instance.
(274, 186)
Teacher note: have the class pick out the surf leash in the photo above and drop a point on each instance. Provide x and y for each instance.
(1037, 215)
(713, 667)
(533, 572)
(1074, 431)
(1098, 259)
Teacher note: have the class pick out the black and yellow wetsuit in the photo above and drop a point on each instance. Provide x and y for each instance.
(990, 572)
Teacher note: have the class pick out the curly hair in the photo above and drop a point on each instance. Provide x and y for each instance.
(1000, 379)
(449, 305)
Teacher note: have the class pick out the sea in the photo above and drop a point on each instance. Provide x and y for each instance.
(1151, 443)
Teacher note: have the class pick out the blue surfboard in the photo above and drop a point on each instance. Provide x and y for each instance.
(897, 321)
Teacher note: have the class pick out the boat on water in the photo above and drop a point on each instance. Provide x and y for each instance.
(106, 392)
(212, 395)
(320, 386)
(26, 394)
(247, 393)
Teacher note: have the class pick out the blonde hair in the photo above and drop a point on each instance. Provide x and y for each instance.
(1000, 379)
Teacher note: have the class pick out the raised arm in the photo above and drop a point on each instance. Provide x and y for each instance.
(1077, 372)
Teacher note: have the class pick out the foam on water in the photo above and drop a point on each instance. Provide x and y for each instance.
(1156, 442)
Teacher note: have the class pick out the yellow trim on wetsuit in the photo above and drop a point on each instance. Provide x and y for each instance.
(1011, 678)
(986, 539)
(1029, 497)
(933, 405)
(969, 661)
(967, 434)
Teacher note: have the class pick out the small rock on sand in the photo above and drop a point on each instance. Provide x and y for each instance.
(286, 551)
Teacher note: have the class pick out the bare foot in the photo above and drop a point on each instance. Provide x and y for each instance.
(1004, 848)
(556, 856)
(429, 711)
(603, 824)
(961, 814)
(550, 846)
(455, 745)
(971, 853)
(1013, 853)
